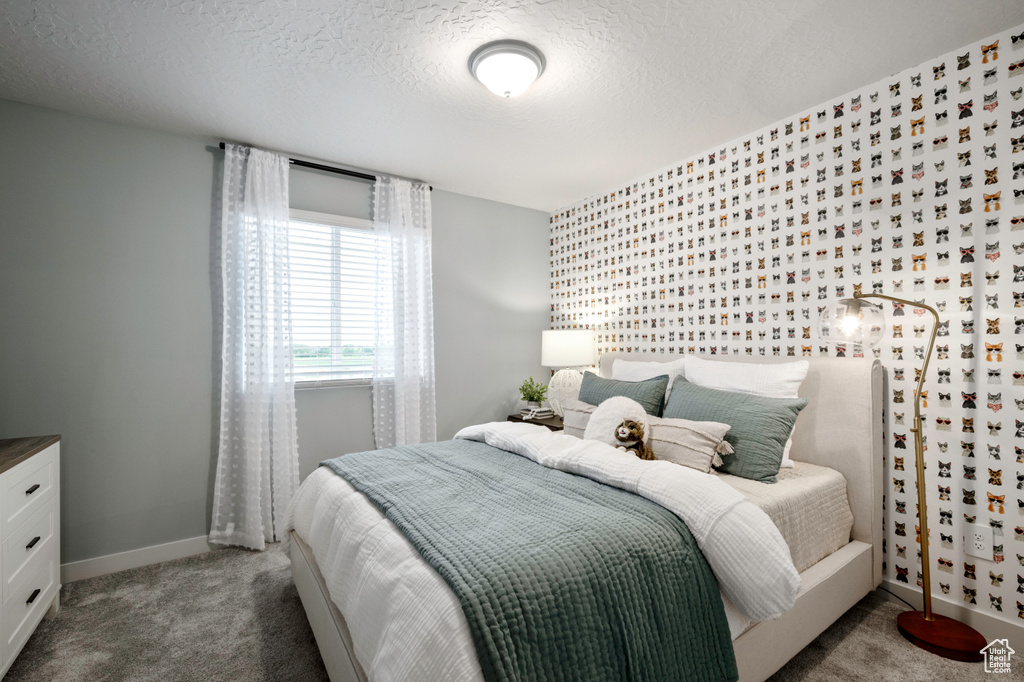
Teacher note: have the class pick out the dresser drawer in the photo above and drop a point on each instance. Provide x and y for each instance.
(25, 489)
(33, 537)
(23, 610)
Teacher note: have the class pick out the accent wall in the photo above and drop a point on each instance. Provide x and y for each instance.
(912, 186)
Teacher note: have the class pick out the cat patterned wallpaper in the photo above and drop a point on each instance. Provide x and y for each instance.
(912, 186)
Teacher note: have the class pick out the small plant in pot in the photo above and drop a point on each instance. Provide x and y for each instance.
(533, 393)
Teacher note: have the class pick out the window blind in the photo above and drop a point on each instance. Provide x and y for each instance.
(334, 311)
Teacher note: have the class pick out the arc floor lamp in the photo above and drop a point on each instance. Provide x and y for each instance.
(859, 322)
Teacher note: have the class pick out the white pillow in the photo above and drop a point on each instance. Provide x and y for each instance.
(769, 380)
(638, 370)
(786, 462)
(780, 380)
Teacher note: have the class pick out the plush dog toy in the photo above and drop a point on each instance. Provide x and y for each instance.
(631, 436)
(623, 423)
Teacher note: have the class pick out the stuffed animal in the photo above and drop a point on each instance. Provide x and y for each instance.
(612, 415)
(631, 436)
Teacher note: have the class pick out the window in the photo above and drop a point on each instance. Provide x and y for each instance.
(334, 311)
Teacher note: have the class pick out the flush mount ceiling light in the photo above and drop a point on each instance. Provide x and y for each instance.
(506, 67)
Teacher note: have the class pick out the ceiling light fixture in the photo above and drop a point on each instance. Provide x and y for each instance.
(506, 67)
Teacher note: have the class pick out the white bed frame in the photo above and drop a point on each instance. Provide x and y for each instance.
(841, 428)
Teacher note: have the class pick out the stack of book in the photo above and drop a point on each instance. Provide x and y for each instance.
(536, 413)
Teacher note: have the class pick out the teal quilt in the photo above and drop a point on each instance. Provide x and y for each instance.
(560, 577)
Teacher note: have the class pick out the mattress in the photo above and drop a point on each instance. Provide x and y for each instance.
(410, 624)
(808, 505)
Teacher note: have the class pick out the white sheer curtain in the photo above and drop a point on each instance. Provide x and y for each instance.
(257, 467)
(403, 376)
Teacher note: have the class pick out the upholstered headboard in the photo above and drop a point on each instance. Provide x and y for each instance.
(841, 428)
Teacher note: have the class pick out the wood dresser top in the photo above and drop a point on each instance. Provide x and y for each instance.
(14, 451)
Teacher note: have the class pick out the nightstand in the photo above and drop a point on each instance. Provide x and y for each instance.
(553, 423)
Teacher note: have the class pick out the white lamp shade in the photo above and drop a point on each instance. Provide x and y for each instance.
(852, 321)
(567, 348)
(506, 67)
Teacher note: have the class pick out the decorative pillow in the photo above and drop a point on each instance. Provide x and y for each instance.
(698, 445)
(759, 425)
(650, 393)
(610, 414)
(575, 417)
(638, 370)
(780, 380)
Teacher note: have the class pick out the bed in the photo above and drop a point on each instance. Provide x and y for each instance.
(840, 429)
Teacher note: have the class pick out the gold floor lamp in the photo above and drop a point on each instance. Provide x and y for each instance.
(855, 321)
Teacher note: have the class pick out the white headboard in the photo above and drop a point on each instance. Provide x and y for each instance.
(841, 428)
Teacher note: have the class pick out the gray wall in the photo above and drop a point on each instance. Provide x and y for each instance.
(489, 307)
(107, 332)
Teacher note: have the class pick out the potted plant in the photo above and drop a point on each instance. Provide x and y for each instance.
(533, 393)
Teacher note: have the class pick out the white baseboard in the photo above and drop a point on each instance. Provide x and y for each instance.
(112, 563)
(990, 626)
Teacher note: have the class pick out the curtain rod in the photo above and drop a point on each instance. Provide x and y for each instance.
(330, 169)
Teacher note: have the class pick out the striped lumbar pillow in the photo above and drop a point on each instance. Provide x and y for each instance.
(698, 445)
(576, 417)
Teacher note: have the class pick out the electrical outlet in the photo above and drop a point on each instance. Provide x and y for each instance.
(978, 541)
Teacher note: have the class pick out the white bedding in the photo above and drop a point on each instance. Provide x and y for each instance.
(410, 624)
(810, 508)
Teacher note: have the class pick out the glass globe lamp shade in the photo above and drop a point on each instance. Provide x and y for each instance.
(506, 67)
(852, 321)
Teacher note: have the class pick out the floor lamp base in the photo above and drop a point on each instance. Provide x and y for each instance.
(942, 636)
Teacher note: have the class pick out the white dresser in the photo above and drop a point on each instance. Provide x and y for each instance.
(30, 528)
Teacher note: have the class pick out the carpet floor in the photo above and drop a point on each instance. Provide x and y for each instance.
(865, 646)
(224, 615)
(235, 615)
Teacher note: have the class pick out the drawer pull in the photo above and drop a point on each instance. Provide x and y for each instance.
(33, 597)
(32, 489)
(33, 543)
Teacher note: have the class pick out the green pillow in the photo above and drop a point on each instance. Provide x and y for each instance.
(760, 426)
(650, 393)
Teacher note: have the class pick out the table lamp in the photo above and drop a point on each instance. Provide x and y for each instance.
(855, 321)
(568, 350)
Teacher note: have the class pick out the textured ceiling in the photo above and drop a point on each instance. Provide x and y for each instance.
(630, 85)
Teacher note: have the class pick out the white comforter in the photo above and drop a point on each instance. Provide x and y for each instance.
(407, 624)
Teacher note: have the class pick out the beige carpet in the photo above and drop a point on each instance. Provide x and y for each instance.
(864, 645)
(224, 615)
(235, 615)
